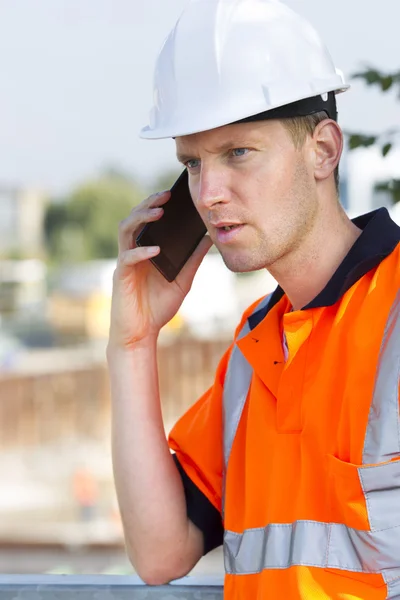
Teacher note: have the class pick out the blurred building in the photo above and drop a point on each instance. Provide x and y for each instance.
(365, 169)
(22, 286)
(79, 303)
(22, 214)
(212, 307)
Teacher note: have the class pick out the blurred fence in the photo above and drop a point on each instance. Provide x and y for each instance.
(36, 409)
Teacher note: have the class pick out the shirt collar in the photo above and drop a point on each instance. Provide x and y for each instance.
(380, 236)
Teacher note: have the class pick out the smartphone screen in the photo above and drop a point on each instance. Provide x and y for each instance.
(178, 232)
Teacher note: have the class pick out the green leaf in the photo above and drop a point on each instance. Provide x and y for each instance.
(370, 76)
(357, 140)
(386, 83)
(386, 149)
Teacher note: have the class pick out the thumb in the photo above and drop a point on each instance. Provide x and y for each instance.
(186, 276)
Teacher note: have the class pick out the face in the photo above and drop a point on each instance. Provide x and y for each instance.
(254, 190)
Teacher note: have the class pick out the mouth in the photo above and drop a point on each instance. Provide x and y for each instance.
(228, 227)
(225, 225)
(227, 232)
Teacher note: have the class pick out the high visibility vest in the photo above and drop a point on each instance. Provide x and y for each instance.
(357, 535)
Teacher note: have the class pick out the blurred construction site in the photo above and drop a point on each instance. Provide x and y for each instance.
(58, 509)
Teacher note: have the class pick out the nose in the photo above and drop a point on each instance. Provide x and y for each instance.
(210, 189)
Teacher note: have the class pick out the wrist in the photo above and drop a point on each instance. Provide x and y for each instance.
(117, 352)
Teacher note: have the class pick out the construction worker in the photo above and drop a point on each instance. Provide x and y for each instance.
(291, 459)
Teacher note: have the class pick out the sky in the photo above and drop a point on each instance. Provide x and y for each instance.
(76, 82)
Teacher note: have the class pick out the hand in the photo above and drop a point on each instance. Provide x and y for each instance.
(143, 300)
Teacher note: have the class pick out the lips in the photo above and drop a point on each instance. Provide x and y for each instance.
(225, 225)
(228, 232)
(228, 227)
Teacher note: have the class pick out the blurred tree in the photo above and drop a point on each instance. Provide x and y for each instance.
(85, 225)
(387, 139)
(166, 180)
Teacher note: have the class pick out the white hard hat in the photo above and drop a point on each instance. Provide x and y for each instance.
(226, 60)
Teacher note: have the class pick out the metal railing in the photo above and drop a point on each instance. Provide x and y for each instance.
(106, 587)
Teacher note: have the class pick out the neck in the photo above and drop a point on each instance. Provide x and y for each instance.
(303, 273)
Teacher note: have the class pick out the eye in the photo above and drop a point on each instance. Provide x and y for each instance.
(240, 152)
(192, 164)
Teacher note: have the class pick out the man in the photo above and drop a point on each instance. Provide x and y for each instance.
(291, 458)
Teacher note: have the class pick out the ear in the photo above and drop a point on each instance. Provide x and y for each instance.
(328, 140)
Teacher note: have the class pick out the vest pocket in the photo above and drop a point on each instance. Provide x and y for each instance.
(364, 541)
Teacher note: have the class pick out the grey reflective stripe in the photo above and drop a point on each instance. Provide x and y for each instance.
(381, 482)
(236, 388)
(393, 590)
(276, 546)
(381, 487)
(313, 544)
(382, 440)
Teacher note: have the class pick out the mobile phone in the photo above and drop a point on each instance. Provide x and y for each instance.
(178, 232)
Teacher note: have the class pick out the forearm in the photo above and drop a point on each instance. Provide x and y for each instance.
(148, 485)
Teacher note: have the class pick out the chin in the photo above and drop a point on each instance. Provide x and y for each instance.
(243, 264)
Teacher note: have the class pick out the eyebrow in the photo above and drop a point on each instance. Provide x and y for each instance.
(229, 145)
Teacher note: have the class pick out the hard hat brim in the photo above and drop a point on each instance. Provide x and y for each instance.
(150, 133)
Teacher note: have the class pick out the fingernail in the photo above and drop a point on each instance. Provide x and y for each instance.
(152, 249)
(161, 193)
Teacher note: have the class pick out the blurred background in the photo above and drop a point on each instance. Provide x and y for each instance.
(75, 88)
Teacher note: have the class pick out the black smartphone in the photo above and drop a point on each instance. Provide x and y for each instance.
(178, 232)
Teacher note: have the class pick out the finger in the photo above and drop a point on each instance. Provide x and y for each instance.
(130, 227)
(186, 276)
(158, 199)
(130, 258)
(139, 216)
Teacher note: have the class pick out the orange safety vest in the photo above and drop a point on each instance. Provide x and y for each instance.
(302, 456)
